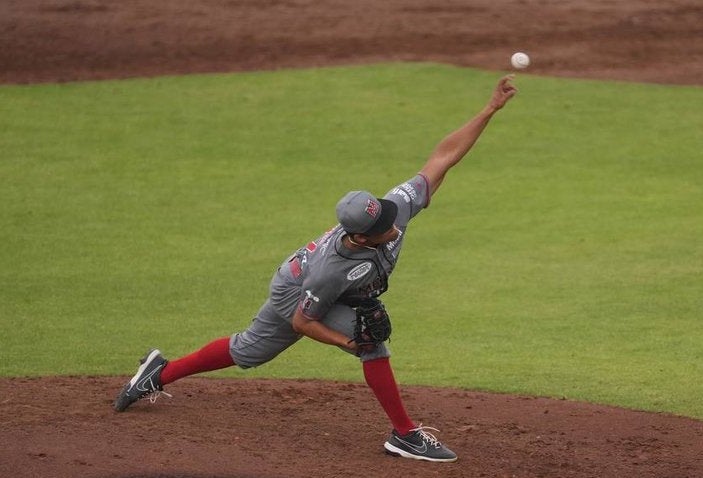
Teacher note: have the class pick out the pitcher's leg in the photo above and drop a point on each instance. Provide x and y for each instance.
(406, 439)
(377, 369)
(213, 356)
(380, 379)
(268, 335)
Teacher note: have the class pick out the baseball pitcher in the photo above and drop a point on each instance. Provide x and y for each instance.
(329, 289)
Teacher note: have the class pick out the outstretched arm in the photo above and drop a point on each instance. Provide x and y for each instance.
(456, 145)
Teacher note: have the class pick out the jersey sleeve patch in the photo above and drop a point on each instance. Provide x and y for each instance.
(309, 300)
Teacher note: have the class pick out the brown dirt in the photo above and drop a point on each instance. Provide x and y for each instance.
(266, 428)
(641, 40)
(64, 426)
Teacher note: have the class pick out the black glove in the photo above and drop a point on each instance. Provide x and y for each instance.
(373, 326)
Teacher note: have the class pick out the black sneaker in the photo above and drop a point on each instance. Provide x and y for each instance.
(146, 382)
(418, 445)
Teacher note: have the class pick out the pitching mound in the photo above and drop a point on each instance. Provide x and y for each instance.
(65, 427)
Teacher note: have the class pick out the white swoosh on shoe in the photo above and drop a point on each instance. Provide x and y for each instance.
(141, 384)
(421, 450)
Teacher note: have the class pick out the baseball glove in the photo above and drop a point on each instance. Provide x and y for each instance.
(373, 326)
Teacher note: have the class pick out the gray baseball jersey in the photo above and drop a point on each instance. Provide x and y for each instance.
(325, 272)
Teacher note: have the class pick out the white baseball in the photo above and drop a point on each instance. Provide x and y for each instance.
(520, 60)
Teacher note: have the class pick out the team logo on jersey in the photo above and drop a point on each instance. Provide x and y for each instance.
(372, 208)
(309, 299)
(359, 271)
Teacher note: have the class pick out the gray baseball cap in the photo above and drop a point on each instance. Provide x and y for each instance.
(359, 212)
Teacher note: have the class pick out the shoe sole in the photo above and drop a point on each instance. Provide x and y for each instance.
(395, 451)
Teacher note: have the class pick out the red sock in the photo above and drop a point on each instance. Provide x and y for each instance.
(213, 356)
(379, 377)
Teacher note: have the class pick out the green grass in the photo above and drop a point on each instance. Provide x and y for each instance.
(563, 258)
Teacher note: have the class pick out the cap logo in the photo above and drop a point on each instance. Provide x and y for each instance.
(372, 208)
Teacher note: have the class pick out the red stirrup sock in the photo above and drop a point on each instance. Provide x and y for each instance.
(379, 377)
(213, 356)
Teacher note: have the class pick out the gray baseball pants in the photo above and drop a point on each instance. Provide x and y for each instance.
(270, 334)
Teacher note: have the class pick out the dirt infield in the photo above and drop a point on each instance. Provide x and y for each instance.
(640, 40)
(64, 427)
(257, 428)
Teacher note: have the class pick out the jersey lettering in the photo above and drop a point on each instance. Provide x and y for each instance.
(410, 189)
(392, 245)
(401, 193)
